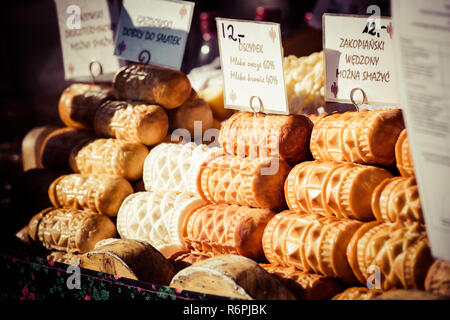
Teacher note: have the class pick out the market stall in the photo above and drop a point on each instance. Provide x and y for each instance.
(252, 175)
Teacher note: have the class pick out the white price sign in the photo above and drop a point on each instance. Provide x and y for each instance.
(86, 30)
(154, 31)
(252, 64)
(359, 53)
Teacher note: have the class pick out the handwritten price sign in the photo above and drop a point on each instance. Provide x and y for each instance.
(154, 31)
(86, 30)
(252, 65)
(359, 53)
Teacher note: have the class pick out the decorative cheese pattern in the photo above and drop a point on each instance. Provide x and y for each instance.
(365, 137)
(234, 180)
(157, 217)
(396, 199)
(311, 243)
(174, 167)
(233, 229)
(342, 189)
(110, 156)
(101, 193)
(401, 254)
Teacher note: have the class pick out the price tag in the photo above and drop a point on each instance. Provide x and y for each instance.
(251, 57)
(359, 53)
(154, 31)
(422, 37)
(86, 30)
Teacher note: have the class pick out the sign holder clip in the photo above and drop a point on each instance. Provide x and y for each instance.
(91, 69)
(364, 101)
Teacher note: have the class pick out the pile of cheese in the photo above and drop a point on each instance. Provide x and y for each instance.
(305, 82)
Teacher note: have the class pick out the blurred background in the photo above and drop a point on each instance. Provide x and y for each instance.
(33, 78)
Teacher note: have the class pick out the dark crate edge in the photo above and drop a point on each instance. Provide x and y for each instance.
(35, 278)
